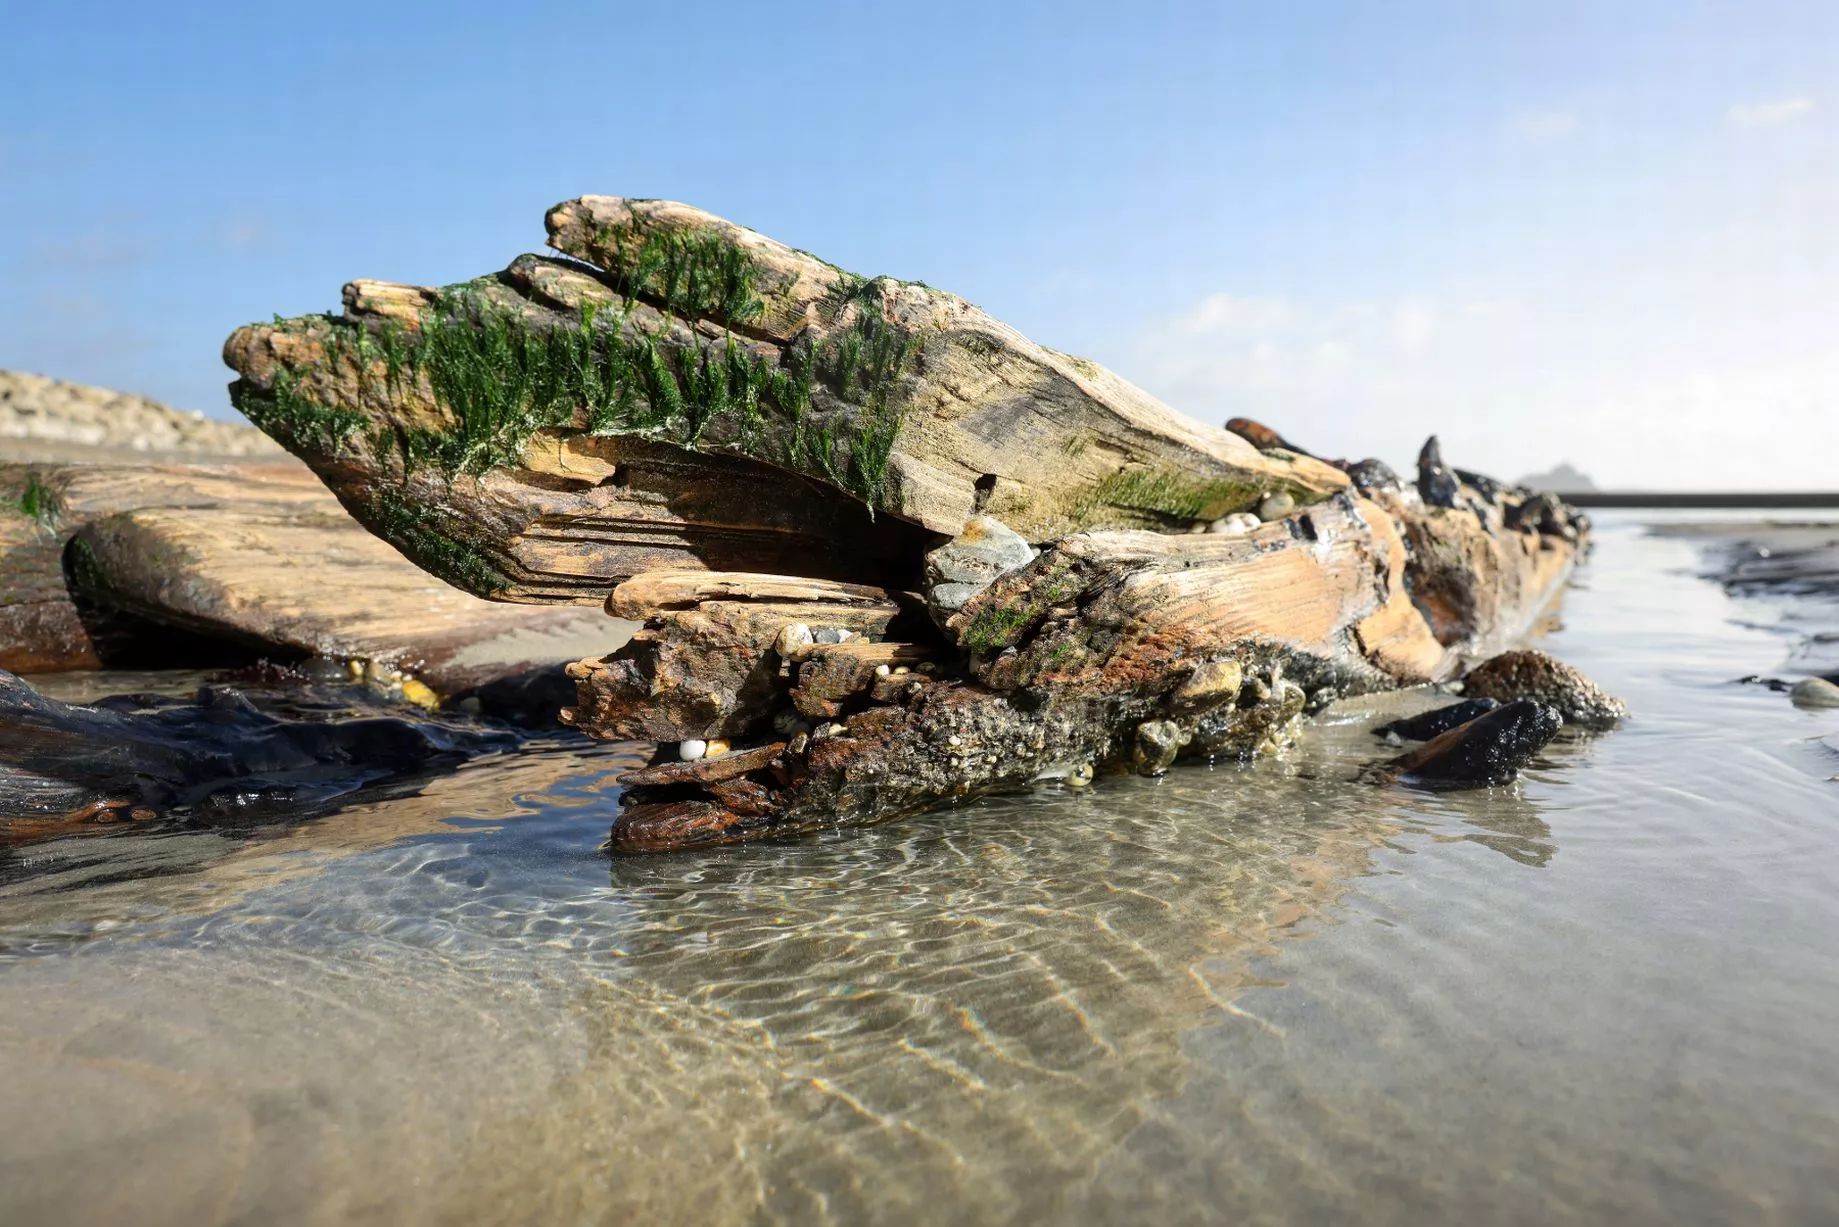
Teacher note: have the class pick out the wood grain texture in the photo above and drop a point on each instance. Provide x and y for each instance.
(919, 410)
(260, 556)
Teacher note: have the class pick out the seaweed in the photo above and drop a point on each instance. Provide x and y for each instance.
(502, 375)
(459, 562)
(1168, 494)
(692, 275)
(40, 503)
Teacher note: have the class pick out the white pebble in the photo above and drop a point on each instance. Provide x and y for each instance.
(690, 751)
(791, 638)
(1815, 692)
(882, 671)
(1276, 506)
(1235, 525)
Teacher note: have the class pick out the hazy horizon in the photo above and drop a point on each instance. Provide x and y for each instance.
(1547, 233)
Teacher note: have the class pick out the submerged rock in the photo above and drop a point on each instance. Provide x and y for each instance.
(971, 562)
(1430, 724)
(1483, 752)
(1532, 674)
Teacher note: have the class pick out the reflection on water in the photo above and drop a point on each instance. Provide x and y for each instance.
(1265, 993)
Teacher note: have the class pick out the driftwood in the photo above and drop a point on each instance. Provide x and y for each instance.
(546, 432)
(772, 463)
(193, 565)
(1111, 651)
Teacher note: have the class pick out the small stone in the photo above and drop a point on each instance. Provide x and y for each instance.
(1158, 742)
(1532, 674)
(1276, 506)
(471, 706)
(1080, 776)
(791, 638)
(1199, 526)
(882, 671)
(715, 748)
(1370, 476)
(829, 635)
(1237, 524)
(799, 742)
(1815, 692)
(971, 562)
(690, 751)
(898, 669)
(1212, 681)
(419, 693)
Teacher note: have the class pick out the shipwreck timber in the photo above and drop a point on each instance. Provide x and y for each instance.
(755, 453)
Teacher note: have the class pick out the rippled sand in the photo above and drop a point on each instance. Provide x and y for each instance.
(1264, 994)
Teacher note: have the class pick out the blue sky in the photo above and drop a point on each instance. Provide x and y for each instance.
(1603, 232)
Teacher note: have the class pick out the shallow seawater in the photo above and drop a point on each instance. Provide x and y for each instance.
(1237, 994)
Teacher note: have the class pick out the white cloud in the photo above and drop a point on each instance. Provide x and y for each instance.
(1639, 385)
(1769, 114)
(1224, 315)
(1545, 125)
(1414, 324)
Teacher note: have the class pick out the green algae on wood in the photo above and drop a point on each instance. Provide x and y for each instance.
(668, 326)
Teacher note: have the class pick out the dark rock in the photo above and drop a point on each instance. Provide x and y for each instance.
(1370, 476)
(1436, 484)
(1532, 674)
(212, 758)
(1486, 751)
(1426, 725)
(530, 699)
(1490, 489)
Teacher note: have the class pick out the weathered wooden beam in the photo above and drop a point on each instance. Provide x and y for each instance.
(239, 560)
(708, 662)
(1110, 651)
(708, 397)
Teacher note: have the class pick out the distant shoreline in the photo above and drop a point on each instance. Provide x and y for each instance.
(1767, 499)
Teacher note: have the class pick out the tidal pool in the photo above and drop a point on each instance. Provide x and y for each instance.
(1262, 993)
